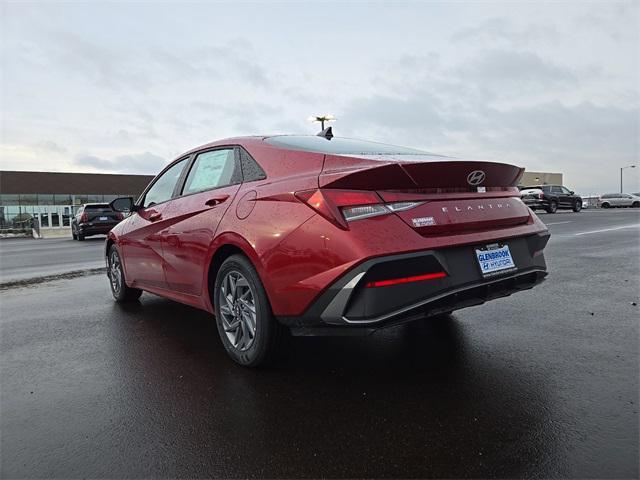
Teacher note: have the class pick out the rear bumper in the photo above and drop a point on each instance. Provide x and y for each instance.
(102, 229)
(348, 304)
(531, 203)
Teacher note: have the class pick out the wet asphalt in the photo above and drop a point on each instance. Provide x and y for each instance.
(540, 384)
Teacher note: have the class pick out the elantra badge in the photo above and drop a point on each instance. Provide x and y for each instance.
(476, 177)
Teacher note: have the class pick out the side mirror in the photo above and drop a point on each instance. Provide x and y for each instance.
(123, 204)
(571, 192)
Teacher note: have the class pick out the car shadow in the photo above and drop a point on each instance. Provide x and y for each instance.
(414, 400)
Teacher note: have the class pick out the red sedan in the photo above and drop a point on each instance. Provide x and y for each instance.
(321, 234)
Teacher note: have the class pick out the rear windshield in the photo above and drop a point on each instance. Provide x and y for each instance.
(98, 207)
(544, 188)
(339, 145)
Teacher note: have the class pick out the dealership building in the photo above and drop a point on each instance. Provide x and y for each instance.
(541, 178)
(51, 198)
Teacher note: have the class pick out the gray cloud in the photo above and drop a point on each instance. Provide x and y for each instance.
(512, 68)
(145, 163)
(501, 30)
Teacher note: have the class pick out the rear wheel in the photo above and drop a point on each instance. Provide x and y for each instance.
(553, 206)
(605, 205)
(636, 205)
(119, 289)
(248, 330)
(74, 235)
(577, 206)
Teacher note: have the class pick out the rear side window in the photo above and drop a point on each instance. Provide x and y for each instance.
(213, 169)
(251, 171)
(162, 188)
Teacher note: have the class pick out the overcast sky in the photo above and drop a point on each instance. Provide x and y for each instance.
(126, 87)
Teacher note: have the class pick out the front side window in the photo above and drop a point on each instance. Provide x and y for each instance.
(556, 190)
(162, 188)
(566, 190)
(213, 169)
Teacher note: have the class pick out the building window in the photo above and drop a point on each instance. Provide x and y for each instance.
(45, 199)
(10, 199)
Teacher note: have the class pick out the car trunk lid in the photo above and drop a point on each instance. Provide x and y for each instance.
(456, 195)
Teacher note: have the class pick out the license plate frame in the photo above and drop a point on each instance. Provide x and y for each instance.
(495, 259)
(103, 219)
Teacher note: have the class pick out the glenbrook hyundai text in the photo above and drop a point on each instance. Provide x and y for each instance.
(323, 235)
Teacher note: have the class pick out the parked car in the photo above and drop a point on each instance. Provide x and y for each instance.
(323, 235)
(94, 219)
(611, 200)
(550, 198)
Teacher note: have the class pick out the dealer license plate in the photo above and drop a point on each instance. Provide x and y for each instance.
(104, 218)
(495, 259)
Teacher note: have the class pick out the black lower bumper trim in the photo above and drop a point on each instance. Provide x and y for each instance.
(348, 303)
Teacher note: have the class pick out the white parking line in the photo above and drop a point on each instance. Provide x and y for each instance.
(609, 229)
(558, 223)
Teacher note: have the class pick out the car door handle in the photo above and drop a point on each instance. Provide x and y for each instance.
(212, 202)
(154, 217)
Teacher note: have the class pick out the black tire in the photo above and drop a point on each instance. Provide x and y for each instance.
(80, 237)
(553, 207)
(577, 206)
(250, 336)
(119, 289)
(605, 205)
(635, 205)
(73, 234)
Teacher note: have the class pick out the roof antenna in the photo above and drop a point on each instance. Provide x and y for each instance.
(326, 132)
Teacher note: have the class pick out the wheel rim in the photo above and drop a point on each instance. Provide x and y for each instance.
(115, 272)
(238, 310)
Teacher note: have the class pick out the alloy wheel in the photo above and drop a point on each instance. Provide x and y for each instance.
(238, 310)
(115, 272)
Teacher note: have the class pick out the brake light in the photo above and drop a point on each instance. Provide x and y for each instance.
(342, 206)
(84, 218)
(541, 195)
(414, 278)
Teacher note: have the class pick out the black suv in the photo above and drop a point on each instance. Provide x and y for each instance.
(94, 219)
(551, 198)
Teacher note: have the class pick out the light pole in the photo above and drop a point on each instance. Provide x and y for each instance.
(621, 169)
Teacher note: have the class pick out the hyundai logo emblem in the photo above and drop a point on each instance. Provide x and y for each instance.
(476, 177)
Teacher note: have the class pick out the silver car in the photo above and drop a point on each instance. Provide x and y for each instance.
(610, 200)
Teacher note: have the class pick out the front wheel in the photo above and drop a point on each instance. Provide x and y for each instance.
(248, 330)
(577, 206)
(636, 205)
(119, 289)
(605, 205)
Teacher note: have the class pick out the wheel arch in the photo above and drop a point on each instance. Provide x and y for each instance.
(223, 247)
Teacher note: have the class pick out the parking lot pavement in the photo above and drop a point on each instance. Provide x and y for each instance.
(24, 258)
(540, 384)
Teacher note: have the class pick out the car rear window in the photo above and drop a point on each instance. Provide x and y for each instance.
(544, 188)
(339, 145)
(101, 207)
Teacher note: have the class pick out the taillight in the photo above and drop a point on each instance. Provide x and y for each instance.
(541, 195)
(84, 218)
(342, 206)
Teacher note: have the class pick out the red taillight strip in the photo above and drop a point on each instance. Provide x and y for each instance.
(415, 278)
